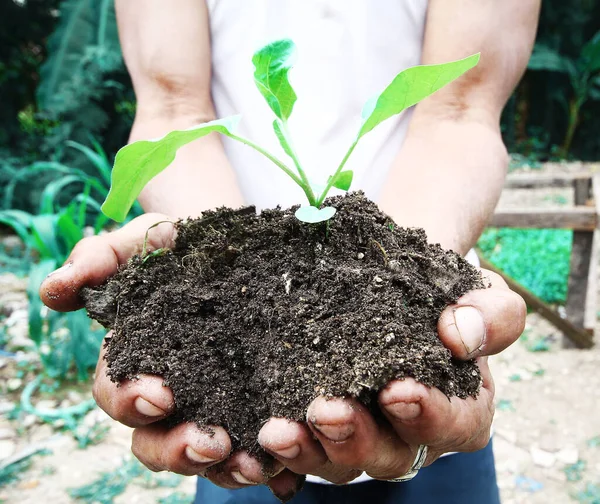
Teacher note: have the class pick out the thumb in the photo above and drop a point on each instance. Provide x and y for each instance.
(96, 258)
(482, 322)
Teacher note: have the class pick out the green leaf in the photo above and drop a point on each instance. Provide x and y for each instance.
(82, 25)
(137, 163)
(410, 87)
(312, 215)
(278, 128)
(343, 180)
(272, 64)
(37, 273)
(545, 58)
(590, 54)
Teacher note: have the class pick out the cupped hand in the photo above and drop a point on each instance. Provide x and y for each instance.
(142, 403)
(340, 439)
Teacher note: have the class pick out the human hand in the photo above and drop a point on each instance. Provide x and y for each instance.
(144, 402)
(340, 438)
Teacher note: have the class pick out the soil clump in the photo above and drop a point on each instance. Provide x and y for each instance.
(251, 316)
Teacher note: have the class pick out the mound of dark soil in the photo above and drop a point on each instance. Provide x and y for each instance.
(252, 316)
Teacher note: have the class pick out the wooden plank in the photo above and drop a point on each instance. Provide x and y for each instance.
(591, 310)
(591, 300)
(596, 192)
(579, 272)
(541, 180)
(577, 218)
(581, 337)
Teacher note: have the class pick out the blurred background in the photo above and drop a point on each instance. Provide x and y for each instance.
(67, 106)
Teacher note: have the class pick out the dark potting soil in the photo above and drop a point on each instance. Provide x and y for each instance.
(252, 316)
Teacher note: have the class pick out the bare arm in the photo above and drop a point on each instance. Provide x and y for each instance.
(450, 171)
(167, 52)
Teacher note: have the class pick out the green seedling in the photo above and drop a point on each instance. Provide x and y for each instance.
(137, 163)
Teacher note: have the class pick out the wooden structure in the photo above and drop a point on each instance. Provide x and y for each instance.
(584, 219)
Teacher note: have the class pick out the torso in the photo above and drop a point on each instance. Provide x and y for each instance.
(347, 52)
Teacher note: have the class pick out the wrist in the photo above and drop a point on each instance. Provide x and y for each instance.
(159, 117)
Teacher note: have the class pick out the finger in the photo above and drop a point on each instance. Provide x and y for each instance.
(294, 445)
(184, 449)
(132, 402)
(351, 438)
(96, 258)
(423, 415)
(482, 322)
(242, 470)
(286, 484)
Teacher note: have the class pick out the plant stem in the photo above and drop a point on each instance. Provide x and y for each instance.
(574, 107)
(306, 184)
(306, 188)
(333, 177)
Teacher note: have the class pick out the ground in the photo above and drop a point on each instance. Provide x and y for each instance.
(546, 430)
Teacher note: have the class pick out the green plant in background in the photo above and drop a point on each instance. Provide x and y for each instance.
(136, 164)
(536, 258)
(76, 77)
(109, 485)
(66, 205)
(584, 76)
(589, 494)
(50, 235)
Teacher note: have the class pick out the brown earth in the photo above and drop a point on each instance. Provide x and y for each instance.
(252, 316)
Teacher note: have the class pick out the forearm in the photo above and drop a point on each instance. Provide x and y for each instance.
(168, 55)
(199, 179)
(447, 179)
(450, 171)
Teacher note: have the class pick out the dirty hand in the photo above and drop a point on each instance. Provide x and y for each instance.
(340, 439)
(143, 403)
(482, 323)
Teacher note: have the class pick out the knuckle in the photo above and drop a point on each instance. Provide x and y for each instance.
(140, 454)
(89, 242)
(521, 311)
(480, 441)
(343, 477)
(394, 469)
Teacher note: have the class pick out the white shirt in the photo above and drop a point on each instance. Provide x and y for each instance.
(348, 51)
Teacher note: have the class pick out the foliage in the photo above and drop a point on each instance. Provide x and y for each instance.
(536, 118)
(535, 342)
(48, 236)
(506, 248)
(574, 472)
(590, 494)
(23, 28)
(177, 498)
(139, 162)
(62, 78)
(79, 74)
(110, 485)
(583, 73)
(11, 472)
(69, 417)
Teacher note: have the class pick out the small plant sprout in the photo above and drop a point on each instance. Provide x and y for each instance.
(136, 164)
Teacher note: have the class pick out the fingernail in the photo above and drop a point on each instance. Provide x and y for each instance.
(288, 453)
(470, 327)
(404, 410)
(335, 433)
(61, 269)
(196, 457)
(239, 477)
(147, 408)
